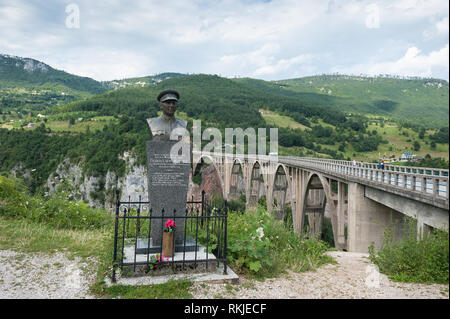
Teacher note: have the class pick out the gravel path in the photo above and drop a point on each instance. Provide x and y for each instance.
(354, 277)
(43, 276)
(54, 276)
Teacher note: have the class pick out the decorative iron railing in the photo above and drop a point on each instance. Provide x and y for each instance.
(203, 248)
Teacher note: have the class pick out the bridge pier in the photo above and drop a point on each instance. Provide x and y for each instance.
(340, 242)
(422, 229)
(227, 168)
(269, 172)
(297, 187)
(247, 170)
(315, 210)
(368, 220)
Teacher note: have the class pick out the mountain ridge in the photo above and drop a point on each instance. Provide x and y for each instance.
(27, 70)
(423, 101)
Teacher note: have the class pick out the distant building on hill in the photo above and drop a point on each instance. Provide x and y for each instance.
(406, 157)
(31, 125)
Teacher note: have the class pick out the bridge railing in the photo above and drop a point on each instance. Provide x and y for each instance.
(431, 182)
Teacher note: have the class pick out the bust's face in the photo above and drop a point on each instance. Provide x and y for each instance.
(168, 107)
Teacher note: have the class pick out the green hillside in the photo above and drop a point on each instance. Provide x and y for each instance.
(218, 101)
(27, 85)
(421, 101)
(35, 72)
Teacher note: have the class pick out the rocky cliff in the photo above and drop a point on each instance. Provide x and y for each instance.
(99, 191)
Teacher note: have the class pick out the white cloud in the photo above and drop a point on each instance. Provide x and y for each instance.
(264, 61)
(106, 65)
(270, 40)
(412, 63)
(417, 8)
(442, 26)
(437, 29)
(282, 65)
(373, 16)
(11, 14)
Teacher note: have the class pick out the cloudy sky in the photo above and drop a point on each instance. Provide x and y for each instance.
(265, 39)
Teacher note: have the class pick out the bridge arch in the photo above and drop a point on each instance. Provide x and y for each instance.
(237, 180)
(203, 161)
(257, 184)
(316, 195)
(281, 188)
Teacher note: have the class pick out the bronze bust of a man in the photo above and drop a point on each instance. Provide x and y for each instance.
(162, 126)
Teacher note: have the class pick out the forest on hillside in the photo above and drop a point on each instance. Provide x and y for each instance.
(216, 101)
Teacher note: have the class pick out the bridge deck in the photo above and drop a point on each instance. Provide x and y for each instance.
(427, 185)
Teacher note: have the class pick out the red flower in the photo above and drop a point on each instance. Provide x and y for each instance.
(170, 225)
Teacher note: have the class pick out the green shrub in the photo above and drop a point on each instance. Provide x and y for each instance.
(197, 179)
(287, 218)
(260, 245)
(218, 202)
(262, 202)
(55, 211)
(235, 205)
(412, 260)
(327, 232)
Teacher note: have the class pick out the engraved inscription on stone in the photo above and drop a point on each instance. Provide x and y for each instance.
(167, 186)
(165, 172)
(167, 179)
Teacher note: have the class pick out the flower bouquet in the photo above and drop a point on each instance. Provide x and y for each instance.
(170, 226)
(156, 259)
(169, 238)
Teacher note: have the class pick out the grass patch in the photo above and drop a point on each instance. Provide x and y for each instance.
(7, 126)
(27, 236)
(278, 120)
(412, 260)
(92, 124)
(173, 289)
(401, 140)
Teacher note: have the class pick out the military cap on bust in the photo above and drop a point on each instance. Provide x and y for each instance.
(168, 95)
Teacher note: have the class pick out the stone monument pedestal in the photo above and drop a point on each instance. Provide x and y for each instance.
(143, 247)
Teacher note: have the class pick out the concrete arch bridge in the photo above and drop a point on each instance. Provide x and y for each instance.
(360, 200)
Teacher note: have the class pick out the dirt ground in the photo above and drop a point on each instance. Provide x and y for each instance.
(354, 277)
(54, 276)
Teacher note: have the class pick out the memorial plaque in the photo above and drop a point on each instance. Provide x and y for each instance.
(167, 188)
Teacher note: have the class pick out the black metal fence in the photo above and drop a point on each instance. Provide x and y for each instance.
(203, 248)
